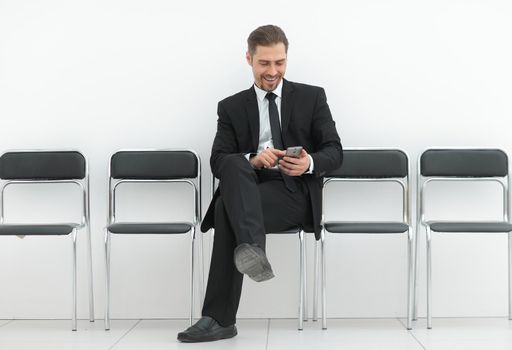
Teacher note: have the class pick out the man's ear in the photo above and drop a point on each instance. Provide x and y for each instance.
(248, 57)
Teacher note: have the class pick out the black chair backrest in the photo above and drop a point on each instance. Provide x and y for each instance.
(42, 165)
(375, 164)
(155, 165)
(464, 163)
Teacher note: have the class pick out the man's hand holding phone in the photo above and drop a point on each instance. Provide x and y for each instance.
(295, 161)
(292, 162)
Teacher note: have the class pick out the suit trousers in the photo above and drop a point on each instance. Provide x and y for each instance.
(251, 204)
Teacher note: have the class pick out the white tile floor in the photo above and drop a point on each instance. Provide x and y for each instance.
(262, 334)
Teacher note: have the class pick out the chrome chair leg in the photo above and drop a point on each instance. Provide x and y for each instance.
(410, 277)
(322, 253)
(192, 268)
(212, 237)
(315, 282)
(301, 280)
(74, 289)
(510, 275)
(305, 279)
(89, 259)
(107, 280)
(415, 292)
(201, 270)
(429, 278)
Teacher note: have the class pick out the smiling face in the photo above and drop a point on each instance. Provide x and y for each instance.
(268, 65)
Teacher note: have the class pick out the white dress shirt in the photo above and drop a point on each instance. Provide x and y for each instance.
(265, 136)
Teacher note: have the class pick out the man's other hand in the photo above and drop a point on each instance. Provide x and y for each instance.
(295, 166)
(267, 158)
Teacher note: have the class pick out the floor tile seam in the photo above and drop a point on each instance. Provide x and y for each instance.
(463, 317)
(411, 333)
(126, 333)
(249, 318)
(246, 318)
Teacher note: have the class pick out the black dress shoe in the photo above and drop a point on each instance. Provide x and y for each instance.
(206, 329)
(252, 261)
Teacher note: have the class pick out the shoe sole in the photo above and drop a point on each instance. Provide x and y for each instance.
(219, 336)
(255, 265)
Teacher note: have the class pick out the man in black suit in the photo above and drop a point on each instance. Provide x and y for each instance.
(261, 188)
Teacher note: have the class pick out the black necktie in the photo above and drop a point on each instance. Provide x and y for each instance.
(275, 128)
(277, 138)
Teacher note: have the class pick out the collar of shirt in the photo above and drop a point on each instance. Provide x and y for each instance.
(260, 94)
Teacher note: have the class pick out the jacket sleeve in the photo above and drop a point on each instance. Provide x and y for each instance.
(225, 142)
(328, 153)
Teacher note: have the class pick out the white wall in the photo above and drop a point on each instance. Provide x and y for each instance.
(103, 75)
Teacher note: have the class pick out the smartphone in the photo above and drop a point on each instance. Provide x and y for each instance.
(293, 152)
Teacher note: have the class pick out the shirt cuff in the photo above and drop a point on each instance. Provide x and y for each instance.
(311, 165)
(250, 155)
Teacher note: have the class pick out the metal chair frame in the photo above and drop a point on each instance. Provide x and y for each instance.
(406, 218)
(422, 182)
(83, 184)
(195, 184)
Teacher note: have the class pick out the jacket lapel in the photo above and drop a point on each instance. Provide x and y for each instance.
(253, 116)
(286, 108)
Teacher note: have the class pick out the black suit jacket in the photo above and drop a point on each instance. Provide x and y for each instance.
(305, 121)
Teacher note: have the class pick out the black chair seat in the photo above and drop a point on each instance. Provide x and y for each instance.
(149, 228)
(366, 227)
(36, 229)
(289, 231)
(470, 226)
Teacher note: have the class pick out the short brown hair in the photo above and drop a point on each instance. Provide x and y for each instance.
(266, 36)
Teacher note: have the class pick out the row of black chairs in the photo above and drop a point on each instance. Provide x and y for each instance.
(184, 166)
